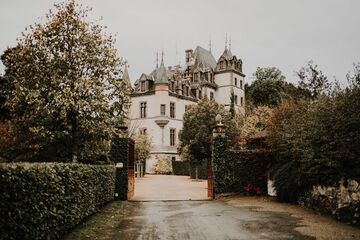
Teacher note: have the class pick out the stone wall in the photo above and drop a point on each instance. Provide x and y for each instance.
(341, 201)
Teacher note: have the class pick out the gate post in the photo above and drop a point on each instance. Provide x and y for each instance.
(122, 154)
(219, 130)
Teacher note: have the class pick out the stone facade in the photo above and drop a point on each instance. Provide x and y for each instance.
(160, 99)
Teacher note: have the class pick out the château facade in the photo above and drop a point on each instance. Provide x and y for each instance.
(160, 99)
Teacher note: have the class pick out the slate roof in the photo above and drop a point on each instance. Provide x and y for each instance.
(227, 55)
(204, 58)
(161, 74)
(126, 77)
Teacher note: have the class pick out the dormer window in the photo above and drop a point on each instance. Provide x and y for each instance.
(142, 86)
(222, 65)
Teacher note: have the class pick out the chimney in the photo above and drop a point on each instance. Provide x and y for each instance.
(188, 55)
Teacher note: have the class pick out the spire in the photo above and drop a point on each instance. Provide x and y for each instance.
(161, 74)
(226, 41)
(230, 43)
(210, 44)
(126, 77)
(157, 59)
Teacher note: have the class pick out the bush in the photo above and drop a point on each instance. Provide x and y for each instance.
(315, 143)
(181, 168)
(202, 170)
(241, 171)
(46, 200)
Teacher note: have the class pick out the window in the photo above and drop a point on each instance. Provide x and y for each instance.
(187, 90)
(235, 82)
(236, 99)
(173, 158)
(211, 96)
(222, 65)
(172, 110)
(172, 136)
(172, 86)
(143, 110)
(142, 86)
(241, 84)
(200, 94)
(241, 101)
(143, 131)
(162, 109)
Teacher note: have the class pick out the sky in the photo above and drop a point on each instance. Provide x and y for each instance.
(264, 33)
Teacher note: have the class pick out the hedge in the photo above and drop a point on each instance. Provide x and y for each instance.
(202, 170)
(46, 200)
(241, 171)
(181, 168)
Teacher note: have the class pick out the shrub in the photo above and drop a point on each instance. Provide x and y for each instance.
(181, 168)
(241, 171)
(315, 143)
(45, 200)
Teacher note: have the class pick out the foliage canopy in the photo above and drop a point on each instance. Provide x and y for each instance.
(65, 90)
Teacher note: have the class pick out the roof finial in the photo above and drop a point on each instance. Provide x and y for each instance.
(210, 43)
(226, 41)
(230, 43)
(162, 56)
(157, 59)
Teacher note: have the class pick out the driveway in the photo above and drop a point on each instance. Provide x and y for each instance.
(228, 218)
(169, 187)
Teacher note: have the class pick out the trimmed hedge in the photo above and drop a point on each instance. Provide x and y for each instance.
(181, 168)
(241, 171)
(46, 200)
(202, 170)
(121, 184)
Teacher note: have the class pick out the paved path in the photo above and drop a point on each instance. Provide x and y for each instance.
(169, 187)
(203, 220)
(245, 218)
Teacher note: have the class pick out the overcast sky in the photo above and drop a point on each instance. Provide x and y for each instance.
(281, 33)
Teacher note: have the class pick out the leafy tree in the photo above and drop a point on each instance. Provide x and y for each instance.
(196, 135)
(313, 80)
(267, 88)
(142, 147)
(67, 96)
(256, 121)
(316, 142)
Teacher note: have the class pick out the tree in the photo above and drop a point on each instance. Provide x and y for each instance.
(142, 147)
(196, 135)
(313, 80)
(256, 121)
(68, 96)
(267, 88)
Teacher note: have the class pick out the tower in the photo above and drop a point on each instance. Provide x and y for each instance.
(230, 81)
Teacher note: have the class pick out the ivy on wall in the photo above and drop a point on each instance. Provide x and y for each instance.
(241, 171)
(119, 153)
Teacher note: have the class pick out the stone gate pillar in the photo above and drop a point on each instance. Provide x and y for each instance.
(218, 131)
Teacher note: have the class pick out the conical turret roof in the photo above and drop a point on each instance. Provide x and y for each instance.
(161, 75)
(126, 77)
(227, 54)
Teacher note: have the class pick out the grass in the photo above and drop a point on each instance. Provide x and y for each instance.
(102, 225)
